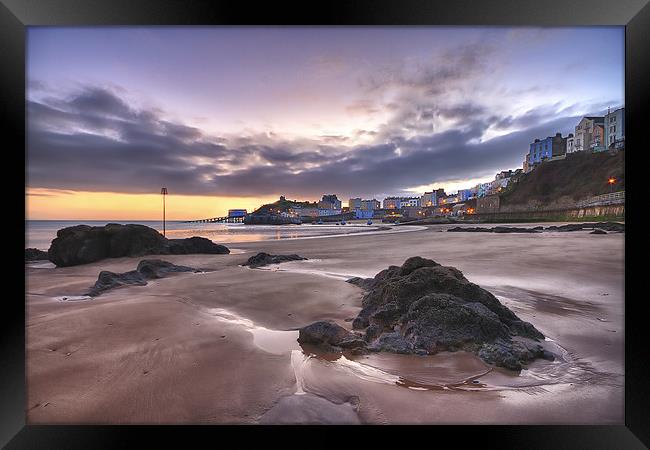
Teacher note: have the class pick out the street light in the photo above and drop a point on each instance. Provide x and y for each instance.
(611, 182)
(163, 191)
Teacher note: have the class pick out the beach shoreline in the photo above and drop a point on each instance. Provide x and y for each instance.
(216, 347)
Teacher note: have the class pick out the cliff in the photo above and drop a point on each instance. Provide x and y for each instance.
(577, 177)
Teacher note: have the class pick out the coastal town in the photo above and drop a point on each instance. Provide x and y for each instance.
(593, 135)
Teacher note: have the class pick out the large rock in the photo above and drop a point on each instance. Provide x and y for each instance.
(157, 268)
(422, 307)
(83, 244)
(263, 259)
(363, 283)
(329, 335)
(34, 254)
(109, 280)
(148, 269)
(498, 229)
(611, 226)
(607, 226)
(471, 229)
(196, 245)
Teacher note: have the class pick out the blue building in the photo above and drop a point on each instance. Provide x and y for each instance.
(482, 189)
(545, 149)
(364, 213)
(539, 150)
(465, 194)
(236, 213)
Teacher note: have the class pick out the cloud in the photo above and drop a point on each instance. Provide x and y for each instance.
(94, 141)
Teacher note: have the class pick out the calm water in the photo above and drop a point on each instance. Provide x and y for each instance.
(39, 233)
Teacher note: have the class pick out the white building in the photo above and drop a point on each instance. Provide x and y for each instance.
(370, 205)
(328, 212)
(584, 132)
(409, 202)
(391, 203)
(615, 128)
(329, 201)
(354, 203)
(427, 199)
(570, 143)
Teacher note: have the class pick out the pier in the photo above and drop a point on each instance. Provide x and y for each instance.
(225, 219)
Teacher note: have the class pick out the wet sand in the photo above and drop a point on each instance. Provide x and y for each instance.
(219, 347)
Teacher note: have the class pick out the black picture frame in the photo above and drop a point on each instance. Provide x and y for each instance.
(15, 15)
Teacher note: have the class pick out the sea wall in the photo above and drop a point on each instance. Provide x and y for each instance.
(254, 219)
(560, 215)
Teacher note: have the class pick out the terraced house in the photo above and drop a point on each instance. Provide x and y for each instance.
(584, 132)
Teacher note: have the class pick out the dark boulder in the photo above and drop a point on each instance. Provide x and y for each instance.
(110, 280)
(498, 229)
(84, 244)
(424, 308)
(471, 229)
(611, 226)
(392, 342)
(415, 263)
(34, 254)
(514, 230)
(438, 322)
(147, 269)
(263, 259)
(360, 322)
(363, 283)
(157, 268)
(196, 245)
(329, 335)
(512, 354)
(572, 227)
(130, 240)
(606, 226)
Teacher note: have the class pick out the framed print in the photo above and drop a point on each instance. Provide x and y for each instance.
(363, 213)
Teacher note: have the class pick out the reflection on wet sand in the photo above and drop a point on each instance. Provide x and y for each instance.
(549, 303)
(221, 347)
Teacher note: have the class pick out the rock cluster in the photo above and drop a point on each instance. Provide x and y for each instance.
(496, 229)
(34, 254)
(607, 226)
(363, 283)
(329, 335)
(83, 244)
(264, 259)
(424, 308)
(148, 269)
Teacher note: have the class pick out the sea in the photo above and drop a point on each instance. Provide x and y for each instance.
(39, 233)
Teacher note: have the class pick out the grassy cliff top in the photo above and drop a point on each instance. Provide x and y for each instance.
(283, 206)
(580, 175)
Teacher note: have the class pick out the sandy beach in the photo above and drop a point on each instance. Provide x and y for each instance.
(220, 347)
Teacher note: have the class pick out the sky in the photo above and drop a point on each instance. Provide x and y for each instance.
(233, 117)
